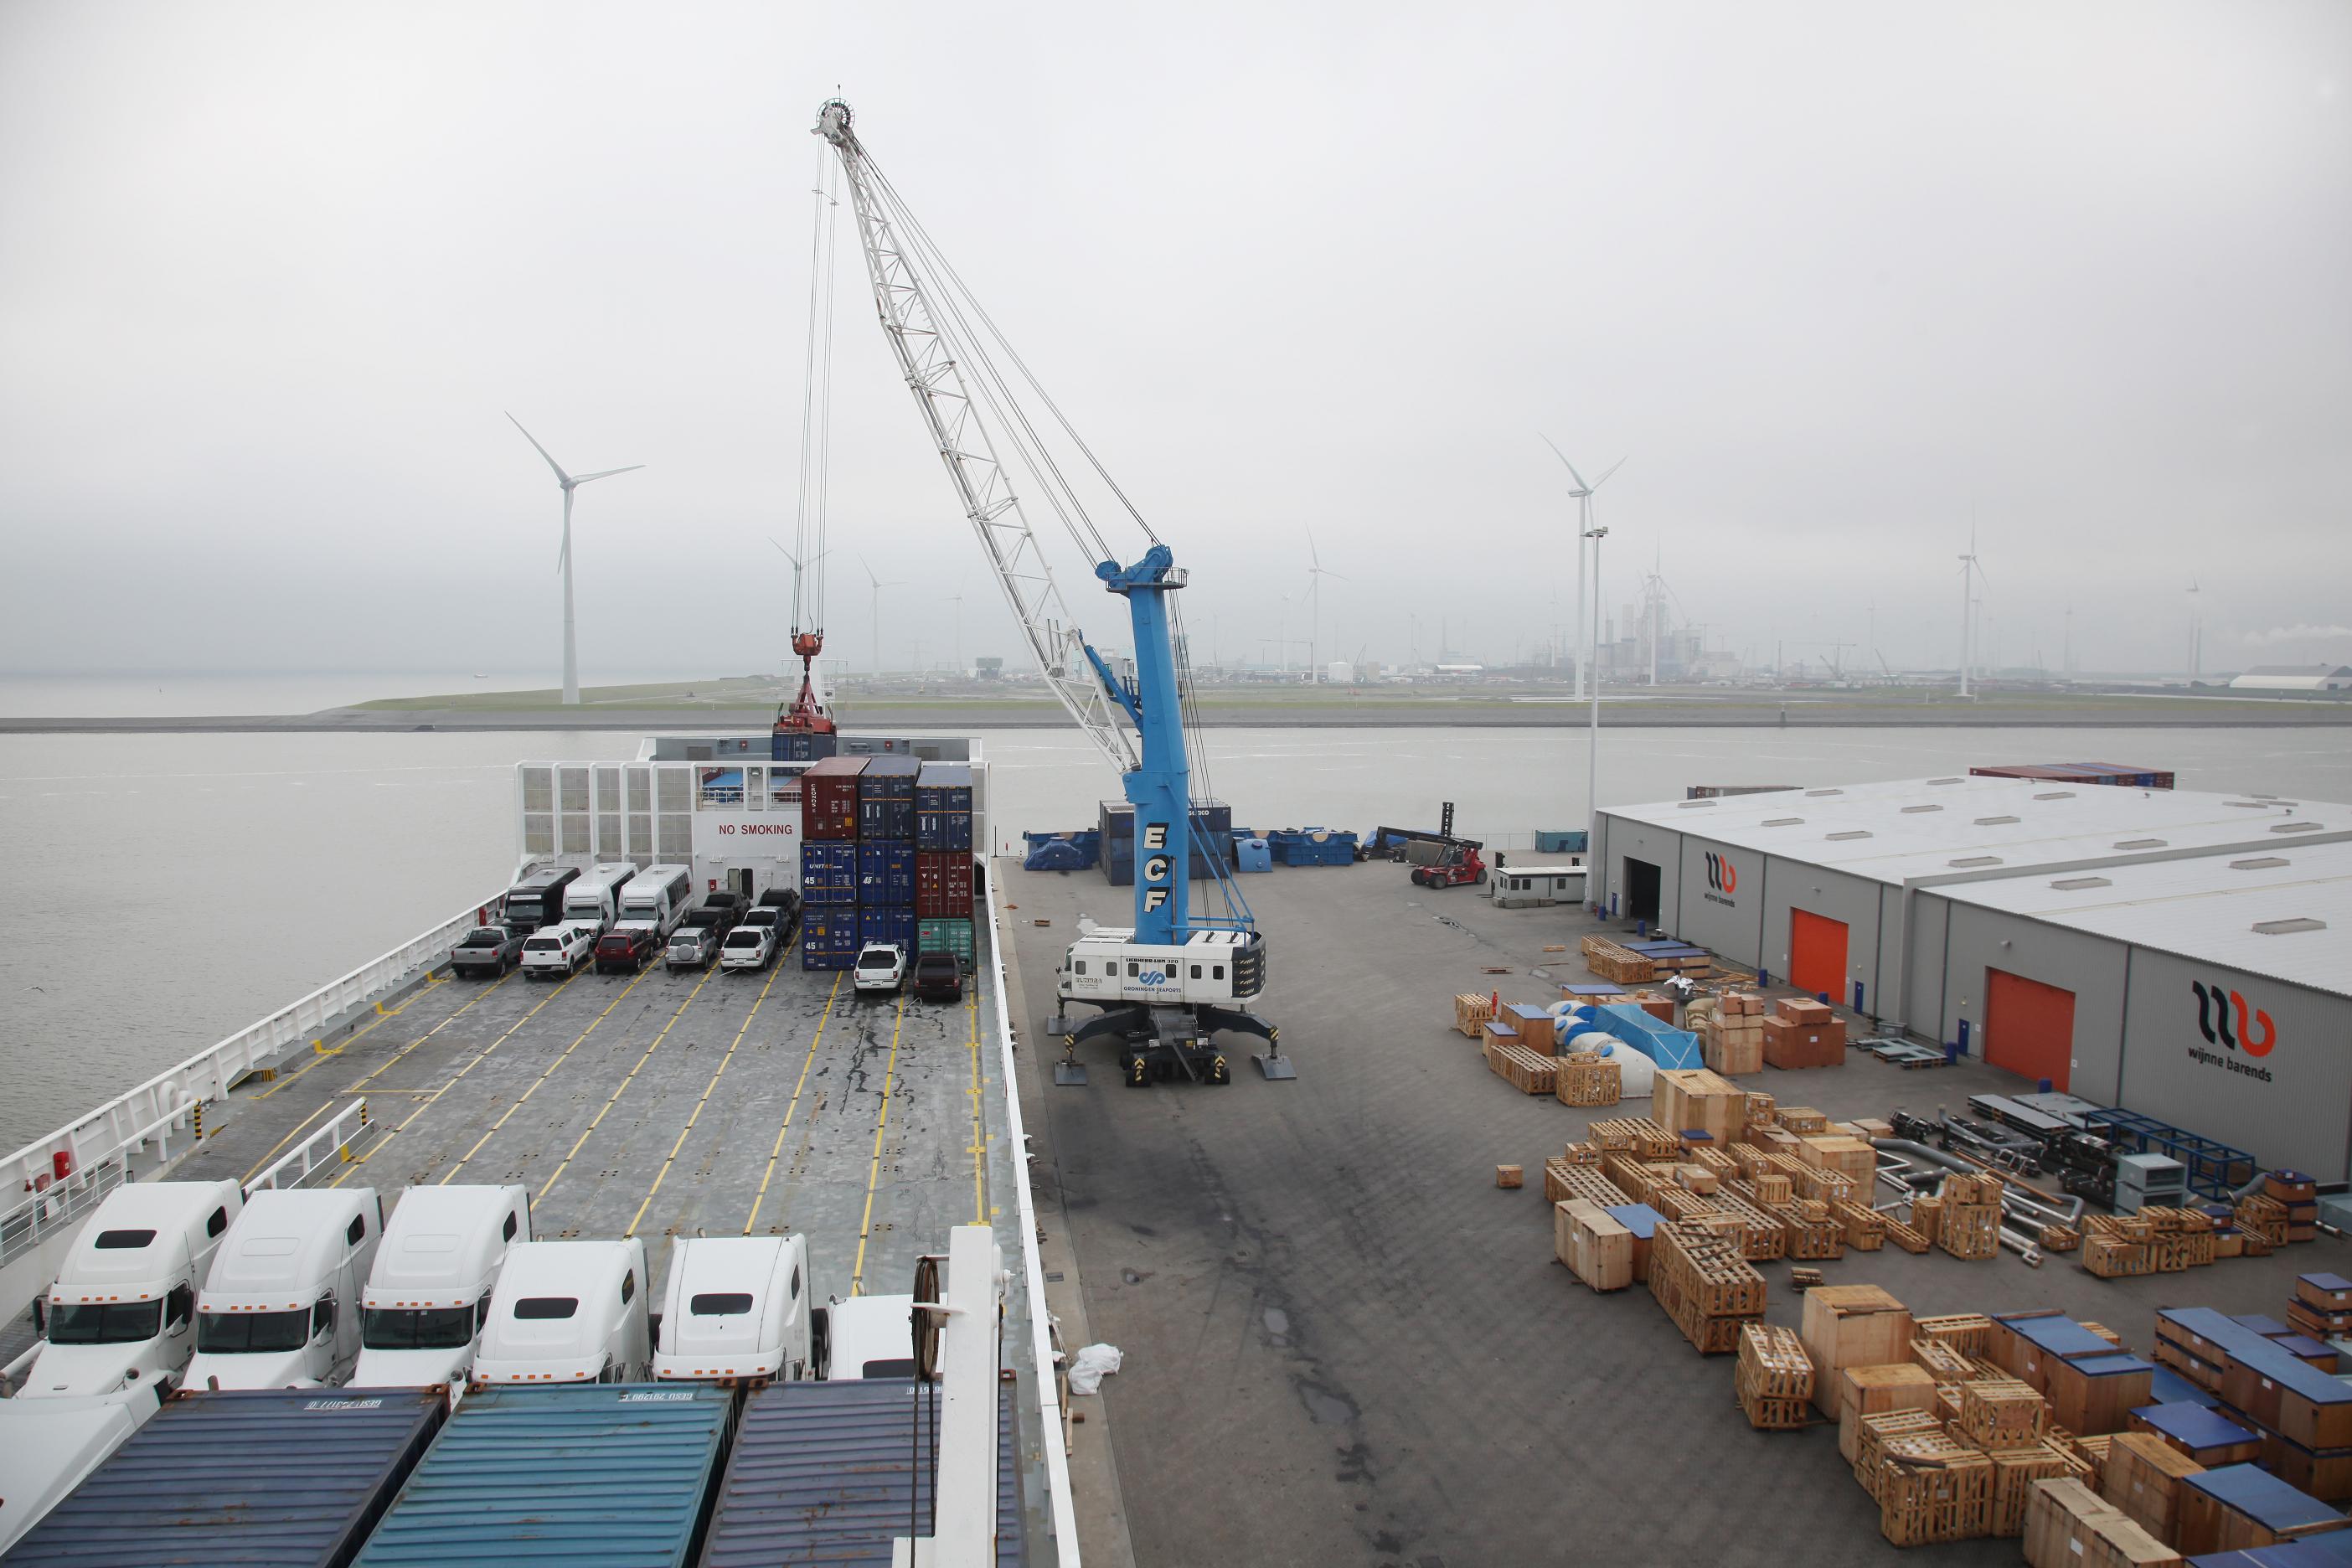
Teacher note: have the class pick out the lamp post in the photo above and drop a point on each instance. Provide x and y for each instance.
(1592, 740)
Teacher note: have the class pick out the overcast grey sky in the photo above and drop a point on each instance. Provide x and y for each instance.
(1836, 276)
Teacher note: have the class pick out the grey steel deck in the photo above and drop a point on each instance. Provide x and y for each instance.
(658, 1105)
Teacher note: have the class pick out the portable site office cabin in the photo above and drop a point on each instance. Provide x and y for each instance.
(2187, 955)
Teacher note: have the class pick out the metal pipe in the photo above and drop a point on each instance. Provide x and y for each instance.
(2028, 1252)
(2069, 1208)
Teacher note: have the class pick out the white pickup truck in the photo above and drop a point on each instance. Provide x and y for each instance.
(554, 952)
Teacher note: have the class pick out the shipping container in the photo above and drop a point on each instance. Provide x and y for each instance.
(826, 1472)
(937, 935)
(889, 778)
(944, 787)
(829, 799)
(940, 831)
(892, 820)
(829, 937)
(886, 876)
(942, 885)
(281, 1476)
(893, 924)
(2128, 775)
(589, 1474)
(829, 872)
(1116, 820)
(795, 746)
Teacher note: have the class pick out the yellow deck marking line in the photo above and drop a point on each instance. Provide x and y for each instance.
(695, 1114)
(428, 1034)
(525, 1097)
(615, 1098)
(873, 1171)
(978, 1129)
(769, 1174)
(319, 1054)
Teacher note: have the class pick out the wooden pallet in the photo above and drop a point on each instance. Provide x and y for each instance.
(1522, 1068)
(1635, 1135)
(1942, 1362)
(1564, 1180)
(1970, 1333)
(1865, 1227)
(1903, 1236)
(1775, 1378)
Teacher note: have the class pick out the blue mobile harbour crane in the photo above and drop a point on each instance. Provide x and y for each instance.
(1166, 987)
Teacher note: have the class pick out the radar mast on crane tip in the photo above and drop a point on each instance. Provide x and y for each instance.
(1167, 985)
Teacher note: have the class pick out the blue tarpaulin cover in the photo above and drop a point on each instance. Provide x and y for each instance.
(2262, 1496)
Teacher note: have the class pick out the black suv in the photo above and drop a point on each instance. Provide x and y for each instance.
(938, 977)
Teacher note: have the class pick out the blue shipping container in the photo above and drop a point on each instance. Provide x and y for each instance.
(887, 925)
(829, 873)
(943, 786)
(886, 876)
(586, 1474)
(280, 1475)
(826, 1472)
(889, 778)
(792, 746)
(832, 929)
(886, 819)
(943, 832)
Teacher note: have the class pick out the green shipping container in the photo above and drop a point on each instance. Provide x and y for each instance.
(940, 935)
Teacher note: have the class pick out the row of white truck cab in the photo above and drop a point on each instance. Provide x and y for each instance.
(192, 1284)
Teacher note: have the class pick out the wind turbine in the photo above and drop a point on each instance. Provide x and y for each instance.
(1315, 575)
(2196, 635)
(1969, 567)
(799, 568)
(563, 556)
(1582, 496)
(878, 585)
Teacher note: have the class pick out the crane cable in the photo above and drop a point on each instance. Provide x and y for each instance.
(816, 408)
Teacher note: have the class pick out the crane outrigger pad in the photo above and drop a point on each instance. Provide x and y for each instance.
(1276, 1067)
(1069, 1073)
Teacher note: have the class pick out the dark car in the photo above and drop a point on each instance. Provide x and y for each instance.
(938, 977)
(489, 950)
(787, 905)
(624, 951)
(719, 913)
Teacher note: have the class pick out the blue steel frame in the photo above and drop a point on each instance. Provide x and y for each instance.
(2214, 1170)
(1160, 787)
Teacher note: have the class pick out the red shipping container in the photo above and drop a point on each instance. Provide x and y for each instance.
(829, 799)
(942, 885)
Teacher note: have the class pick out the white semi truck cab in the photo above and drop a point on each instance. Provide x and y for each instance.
(568, 1312)
(122, 1313)
(869, 1336)
(736, 1310)
(281, 1309)
(427, 1297)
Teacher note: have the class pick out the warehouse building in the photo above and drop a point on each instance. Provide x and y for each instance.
(2186, 955)
(2294, 677)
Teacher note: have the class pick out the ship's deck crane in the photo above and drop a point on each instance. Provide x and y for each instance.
(1169, 985)
(804, 728)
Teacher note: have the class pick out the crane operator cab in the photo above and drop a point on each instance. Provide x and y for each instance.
(1215, 966)
(1163, 1003)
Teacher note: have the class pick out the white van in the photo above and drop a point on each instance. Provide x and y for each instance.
(281, 1309)
(656, 898)
(123, 1310)
(869, 1336)
(567, 1311)
(736, 1310)
(595, 896)
(555, 951)
(429, 1293)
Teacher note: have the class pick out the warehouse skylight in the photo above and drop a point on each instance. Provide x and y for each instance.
(2055, 794)
(2074, 884)
(1688, 804)
(1826, 791)
(2296, 827)
(2258, 863)
(1851, 832)
(2139, 843)
(2288, 928)
(1953, 780)
(1908, 809)
(1994, 821)
(1781, 821)
(1977, 861)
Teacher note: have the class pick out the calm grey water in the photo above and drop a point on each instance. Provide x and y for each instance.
(165, 891)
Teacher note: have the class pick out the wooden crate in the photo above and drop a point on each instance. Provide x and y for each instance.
(1472, 1014)
(1588, 1080)
(1510, 1175)
(1927, 1215)
(2111, 1257)
(1595, 1246)
(1852, 1325)
(1691, 1098)
(1970, 1333)
(1522, 1068)
(1931, 1488)
(1810, 1240)
(1972, 1233)
(1941, 1362)
(1775, 1378)
(1800, 1120)
(2013, 1475)
(1564, 1179)
(2182, 1250)
(2263, 1219)
(2003, 1414)
(2141, 1475)
(1636, 1135)
(1703, 1286)
(2068, 1525)
(1904, 1236)
(2210, 1525)
(1617, 964)
(1865, 1393)
(2060, 1238)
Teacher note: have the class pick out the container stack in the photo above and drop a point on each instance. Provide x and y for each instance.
(886, 850)
(829, 863)
(1212, 833)
(2301, 1414)
(943, 850)
(1803, 1033)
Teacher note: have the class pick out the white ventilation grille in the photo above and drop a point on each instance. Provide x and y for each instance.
(2288, 928)
(2074, 884)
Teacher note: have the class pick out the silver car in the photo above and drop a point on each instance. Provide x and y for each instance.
(692, 948)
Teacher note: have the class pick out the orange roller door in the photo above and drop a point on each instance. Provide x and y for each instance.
(2029, 1026)
(1817, 955)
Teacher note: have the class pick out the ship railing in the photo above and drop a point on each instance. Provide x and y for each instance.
(327, 1148)
(58, 1205)
(1049, 1398)
(123, 1126)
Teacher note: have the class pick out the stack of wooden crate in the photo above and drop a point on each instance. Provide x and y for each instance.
(2114, 1246)
(1617, 964)
(1968, 1226)
(2299, 1196)
(2321, 1306)
(2179, 1238)
(1803, 1034)
(1851, 1325)
(1472, 1014)
(1597, 1248)
(1695, 1099)
(1585, 1079)
(1705, 1287)
(1730, 1029)
(2262, 1220)
(2068, 1525)
(1775, 1378)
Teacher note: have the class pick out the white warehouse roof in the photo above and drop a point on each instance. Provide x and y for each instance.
(1965, 824)
(2208, 908)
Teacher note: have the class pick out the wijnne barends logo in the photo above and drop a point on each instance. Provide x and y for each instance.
(1722, 877)
(2218, 1010)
